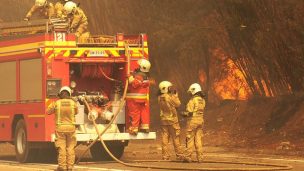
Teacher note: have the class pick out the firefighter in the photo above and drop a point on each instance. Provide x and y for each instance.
(59, 8)
(78, 20)
(194, 113)
(168, 102)
(65, 110)
(137, 98)
(45, 8)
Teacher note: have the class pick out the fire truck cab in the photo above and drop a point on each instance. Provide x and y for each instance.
(37, 59)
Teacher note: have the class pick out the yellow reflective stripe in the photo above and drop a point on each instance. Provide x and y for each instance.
(137, 96)
(35, 116)
(146, 51)
(58, 113)
(73, 112)
(21, 47)
(58, 44)
(115, 53)
(4, 117)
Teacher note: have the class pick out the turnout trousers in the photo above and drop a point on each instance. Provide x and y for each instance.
(65, 143)
(167, 132)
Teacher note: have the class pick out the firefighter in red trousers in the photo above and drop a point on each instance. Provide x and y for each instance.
(137, 98)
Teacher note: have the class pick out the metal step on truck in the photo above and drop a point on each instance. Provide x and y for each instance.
(37, 58)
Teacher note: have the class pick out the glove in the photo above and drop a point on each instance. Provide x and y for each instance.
(184, 114)
(146, 83)
(172, 90)
(187, 114)
(152, 81)
(26, 19)
(131, 79)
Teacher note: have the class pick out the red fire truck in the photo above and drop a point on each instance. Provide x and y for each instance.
(37, 59)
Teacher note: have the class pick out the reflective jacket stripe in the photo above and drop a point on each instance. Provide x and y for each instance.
(58, 113)
(73, 112)
(137, 96)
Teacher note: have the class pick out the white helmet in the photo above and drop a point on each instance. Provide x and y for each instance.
(40, 3)
(66, 88)
(194, 88)
(69, 7)
(164, 86)
(144, 65)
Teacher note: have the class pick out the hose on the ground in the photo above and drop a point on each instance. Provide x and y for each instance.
(270, 167)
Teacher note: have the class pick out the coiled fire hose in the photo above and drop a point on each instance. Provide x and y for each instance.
(270, 167)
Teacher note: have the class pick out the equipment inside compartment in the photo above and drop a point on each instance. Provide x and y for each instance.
(98, 84)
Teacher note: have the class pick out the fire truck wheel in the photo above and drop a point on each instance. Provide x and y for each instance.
(22, 147)
(99, 153)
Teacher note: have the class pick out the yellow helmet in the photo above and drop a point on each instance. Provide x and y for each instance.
(164, 86)
(40, 3)
(69, 7)
(194, 88)
(66, 88)
(144, 65)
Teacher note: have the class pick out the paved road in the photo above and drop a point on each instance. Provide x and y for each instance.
(151, 151)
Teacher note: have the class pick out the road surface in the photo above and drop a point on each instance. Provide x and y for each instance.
(152, 151)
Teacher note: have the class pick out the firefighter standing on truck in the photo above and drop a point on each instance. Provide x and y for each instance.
(168, 102)
(65, 110)
(78, 20)
(46, 10)
(195, 113)
(137, 98)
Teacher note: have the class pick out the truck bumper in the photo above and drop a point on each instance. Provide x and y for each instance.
(113, 136)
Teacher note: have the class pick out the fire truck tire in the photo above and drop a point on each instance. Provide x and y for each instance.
(99, 153)
(22, 147)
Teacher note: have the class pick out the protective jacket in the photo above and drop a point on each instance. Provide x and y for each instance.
(65, 111)
(138, 89)
(47, 11)
(168, 104)
(195, 107)
(79, 22)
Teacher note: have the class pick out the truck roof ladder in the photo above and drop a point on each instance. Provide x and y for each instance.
(33, 27)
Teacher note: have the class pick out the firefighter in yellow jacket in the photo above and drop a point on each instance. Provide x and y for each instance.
(78, 20)
(65, 110)
(45, 9)
(168, 102)
(59, 8)
(195, 120)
